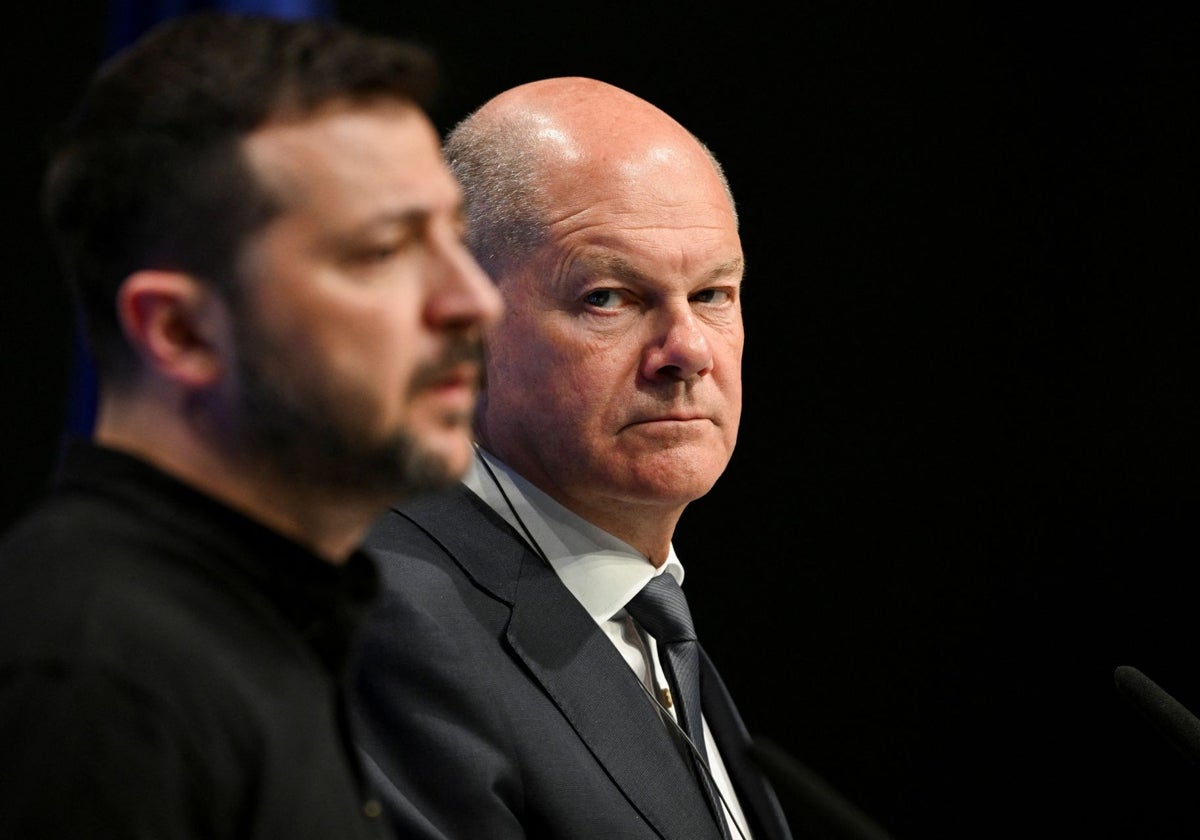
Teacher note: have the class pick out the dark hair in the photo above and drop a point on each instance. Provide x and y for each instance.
(149, 171)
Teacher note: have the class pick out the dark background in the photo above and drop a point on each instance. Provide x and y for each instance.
(965, 488)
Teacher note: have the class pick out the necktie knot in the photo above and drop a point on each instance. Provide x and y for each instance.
(662, 609)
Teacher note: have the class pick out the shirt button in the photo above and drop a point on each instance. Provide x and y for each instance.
(372, 808)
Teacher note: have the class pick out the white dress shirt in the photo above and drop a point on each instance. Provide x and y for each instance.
(601, 571)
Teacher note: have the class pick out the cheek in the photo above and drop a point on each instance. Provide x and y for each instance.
(727, 351)
(378, 354)
(534, 385)
(536, 368)
(730, 341)
(519, 358)
(360, 349)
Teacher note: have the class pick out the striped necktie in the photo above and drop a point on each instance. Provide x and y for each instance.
(662, 610)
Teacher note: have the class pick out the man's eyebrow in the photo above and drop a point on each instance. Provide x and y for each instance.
(620, 268)
(736, 266)
(609, 264)
(404, 215)
(397, 217)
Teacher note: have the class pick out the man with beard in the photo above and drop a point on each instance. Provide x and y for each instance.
(265, 245)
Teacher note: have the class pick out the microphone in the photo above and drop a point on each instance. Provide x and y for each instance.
(1168, 715)
(823, 808)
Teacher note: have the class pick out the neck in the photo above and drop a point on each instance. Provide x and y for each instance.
(330, 525)
(647, 527)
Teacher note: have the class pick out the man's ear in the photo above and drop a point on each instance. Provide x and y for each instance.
(178, 325)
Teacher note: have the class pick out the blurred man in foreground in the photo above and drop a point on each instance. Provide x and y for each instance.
(264, 241)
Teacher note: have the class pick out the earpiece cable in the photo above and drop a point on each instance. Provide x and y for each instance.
(666, 714)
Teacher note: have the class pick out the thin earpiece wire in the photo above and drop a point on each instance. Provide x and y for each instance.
(701, 759)
(495, 480)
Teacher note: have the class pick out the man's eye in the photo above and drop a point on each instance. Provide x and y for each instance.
(381, 251)
(365, 256)
(711, 296)
(388, 250)
(602, 298)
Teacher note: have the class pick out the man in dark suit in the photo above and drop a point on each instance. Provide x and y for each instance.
(506, 689)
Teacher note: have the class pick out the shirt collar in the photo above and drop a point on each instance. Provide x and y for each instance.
(600, 570)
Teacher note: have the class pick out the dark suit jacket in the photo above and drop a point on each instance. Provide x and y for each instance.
(491, 706)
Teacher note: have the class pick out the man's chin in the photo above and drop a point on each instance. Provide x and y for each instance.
(452, 451)
(434, 461)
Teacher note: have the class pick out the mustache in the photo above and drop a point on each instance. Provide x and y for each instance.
(462, 350)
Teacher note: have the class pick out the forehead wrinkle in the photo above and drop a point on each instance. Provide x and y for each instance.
(618, 267)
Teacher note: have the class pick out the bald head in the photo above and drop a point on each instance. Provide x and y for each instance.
(613, 379)
(530, 156)
(573, 117)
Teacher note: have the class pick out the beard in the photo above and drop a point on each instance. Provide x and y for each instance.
(310, 431)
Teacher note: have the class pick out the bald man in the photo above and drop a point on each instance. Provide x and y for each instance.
(505, 689)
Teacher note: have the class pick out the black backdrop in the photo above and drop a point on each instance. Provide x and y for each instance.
(965, 488)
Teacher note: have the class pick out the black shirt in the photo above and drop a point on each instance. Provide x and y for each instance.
(172, 669)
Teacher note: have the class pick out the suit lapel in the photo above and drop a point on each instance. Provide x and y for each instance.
(575, 664)
(758, 799)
